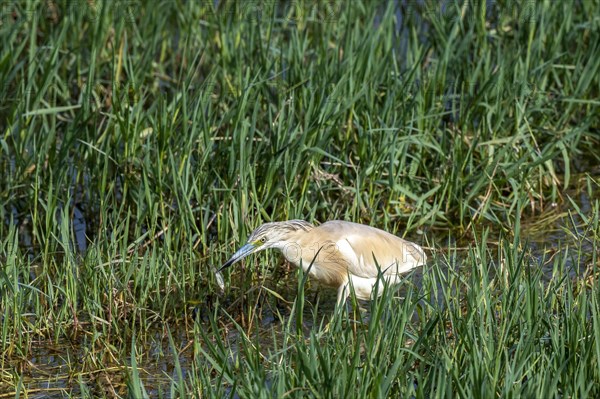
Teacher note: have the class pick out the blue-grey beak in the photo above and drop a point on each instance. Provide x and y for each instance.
(240, 254)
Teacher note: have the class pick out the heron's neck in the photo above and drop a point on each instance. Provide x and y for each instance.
(292, 248)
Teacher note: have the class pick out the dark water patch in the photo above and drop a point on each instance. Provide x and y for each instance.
(65, 370)
(564, 231)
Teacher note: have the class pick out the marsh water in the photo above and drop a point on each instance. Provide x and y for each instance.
(52, 367)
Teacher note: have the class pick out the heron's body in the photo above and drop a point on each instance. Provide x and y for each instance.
(342, 254)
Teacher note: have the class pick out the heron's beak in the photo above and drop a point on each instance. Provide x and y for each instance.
(240, 254)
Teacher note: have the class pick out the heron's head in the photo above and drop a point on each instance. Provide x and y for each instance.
(269, 235)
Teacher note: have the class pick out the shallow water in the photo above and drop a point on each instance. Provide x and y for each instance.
(55, 369)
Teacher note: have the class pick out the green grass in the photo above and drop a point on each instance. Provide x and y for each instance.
(140, 144)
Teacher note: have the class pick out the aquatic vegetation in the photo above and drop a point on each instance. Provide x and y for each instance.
(140, 145)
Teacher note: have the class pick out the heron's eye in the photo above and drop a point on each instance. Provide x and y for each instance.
(263, 239)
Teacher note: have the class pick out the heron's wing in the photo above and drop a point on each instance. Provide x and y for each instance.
(363, 249)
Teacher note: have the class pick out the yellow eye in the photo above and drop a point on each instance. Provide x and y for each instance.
(263, 239)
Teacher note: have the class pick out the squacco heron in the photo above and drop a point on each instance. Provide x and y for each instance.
(343, 254)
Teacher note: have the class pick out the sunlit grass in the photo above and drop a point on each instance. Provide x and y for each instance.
(140, 144)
